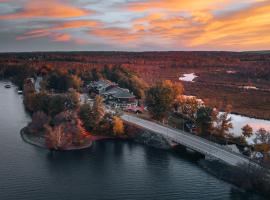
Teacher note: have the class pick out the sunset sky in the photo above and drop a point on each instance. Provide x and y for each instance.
(134, 25)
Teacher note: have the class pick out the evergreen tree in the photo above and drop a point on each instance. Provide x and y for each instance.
(204, 120)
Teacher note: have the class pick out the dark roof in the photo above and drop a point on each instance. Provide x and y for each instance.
(102, 84)
(124, 94)
(118, 92)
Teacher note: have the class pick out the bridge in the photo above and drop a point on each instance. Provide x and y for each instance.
(190, 141)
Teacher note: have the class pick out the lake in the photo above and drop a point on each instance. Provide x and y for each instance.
(238, 121)
(109, 170)
(188, 77)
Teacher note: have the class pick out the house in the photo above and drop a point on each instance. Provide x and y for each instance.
(119, 97)
(113, 94)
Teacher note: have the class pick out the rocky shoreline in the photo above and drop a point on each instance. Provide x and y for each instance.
(144, 136)
(248, 180)
(153, 140)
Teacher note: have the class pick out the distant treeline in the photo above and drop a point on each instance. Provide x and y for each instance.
(252, 64)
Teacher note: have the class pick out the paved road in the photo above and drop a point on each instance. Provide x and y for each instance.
(193, 142)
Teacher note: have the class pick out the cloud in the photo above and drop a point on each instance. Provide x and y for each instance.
(247, 28)
(74, 24)
(175, 5)
(62, 37)
(116, 35)
(46, 9)
(184, 5)
(161, 24)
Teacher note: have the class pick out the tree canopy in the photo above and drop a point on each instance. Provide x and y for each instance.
(160, 98)
(126, 79)
(223, 125)
(61, 81)
(118, 126)
(247, 131)
(204, 120)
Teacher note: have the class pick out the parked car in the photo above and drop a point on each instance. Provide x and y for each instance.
(135, 109)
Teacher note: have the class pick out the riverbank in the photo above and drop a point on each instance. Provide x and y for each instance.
(39, 141)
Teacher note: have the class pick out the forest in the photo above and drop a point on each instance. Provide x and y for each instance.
(223, 77)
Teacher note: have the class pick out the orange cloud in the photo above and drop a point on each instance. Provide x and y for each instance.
(121, 35)
(59, 27)
(46, 9)
(245, 28)
(202, 24)
(159, 21)
(62, 37)
(248, 28)
(37, 35)
(164, 29)
(176, 5)
(55, 36)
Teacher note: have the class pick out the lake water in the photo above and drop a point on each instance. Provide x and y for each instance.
(239, 121)
(109, 170)
(188, 77)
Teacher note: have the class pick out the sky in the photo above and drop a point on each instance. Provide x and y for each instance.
(134, 25)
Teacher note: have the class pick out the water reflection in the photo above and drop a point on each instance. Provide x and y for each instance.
(237, 194)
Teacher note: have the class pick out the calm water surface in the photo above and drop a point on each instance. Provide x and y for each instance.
(109, 170)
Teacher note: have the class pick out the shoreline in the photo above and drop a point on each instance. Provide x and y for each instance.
(204, 164)
(38, 143)
(229, 174)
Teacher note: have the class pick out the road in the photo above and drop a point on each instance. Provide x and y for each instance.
(193, 142)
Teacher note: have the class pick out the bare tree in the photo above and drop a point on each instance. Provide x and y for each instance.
(262, 136)
(223, 125)
(56, 138)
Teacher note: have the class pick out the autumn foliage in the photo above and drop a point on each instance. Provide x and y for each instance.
(118, 126)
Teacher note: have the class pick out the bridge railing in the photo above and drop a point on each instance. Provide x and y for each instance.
(210, 153)
(199, 138)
